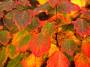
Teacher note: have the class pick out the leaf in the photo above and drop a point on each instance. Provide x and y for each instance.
(42, 1)
(15, 62)
(67, 7)
(81, 60)
(4, 37)
(80, 3)
(23, 2)
(3, 56)
(85, 14)
(39, 44)
(21, 40)
(7, 5)
(68, 46)
(82, 27)
(59, 59)
(22, 19)
(85, 48)
(32, 61)
(10, 25)
(68, 27)
(47, 28)
(33, 24)
(54, 3)
(12, 51)
(53, 49)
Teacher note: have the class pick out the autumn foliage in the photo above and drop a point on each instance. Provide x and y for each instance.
(44, 33)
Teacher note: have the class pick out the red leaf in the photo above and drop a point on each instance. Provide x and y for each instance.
(58, 59)
(86, 49)
(68, 47)
(81, 61)
(67, 7)
(82, 27)
(40, 44)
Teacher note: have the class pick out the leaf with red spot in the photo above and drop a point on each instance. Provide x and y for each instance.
(82, 27)
(58, 59)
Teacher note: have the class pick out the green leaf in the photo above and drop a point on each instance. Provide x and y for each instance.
(33, 24)
(68, 46)
(21, 38)
(68, 27)
(4, 37)
(24, 40)
(3, 55)
(10, 25)
(12, 50)
(15, 62)
(48, 28)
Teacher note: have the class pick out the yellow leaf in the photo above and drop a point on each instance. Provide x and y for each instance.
(32, 61)
(80, 3)
(42, 1)
(53, 49)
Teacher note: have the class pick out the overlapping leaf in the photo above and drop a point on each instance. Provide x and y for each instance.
(7, 5)
(58, 59)
(19, 18)
(68, 47)
(4, 37)
(67, 7)
(40, 44)
(21, 40)
(15, 62)
(82, 27)
(54, 3)
(3, 56)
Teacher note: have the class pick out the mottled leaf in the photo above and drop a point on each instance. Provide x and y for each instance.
(47, 28)
(22, 19)
(67, 7)
(21, 39)
(7, 5)
(68, 46)
(82, 27)
(33, 24)
(40, 44)
(4, 37)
